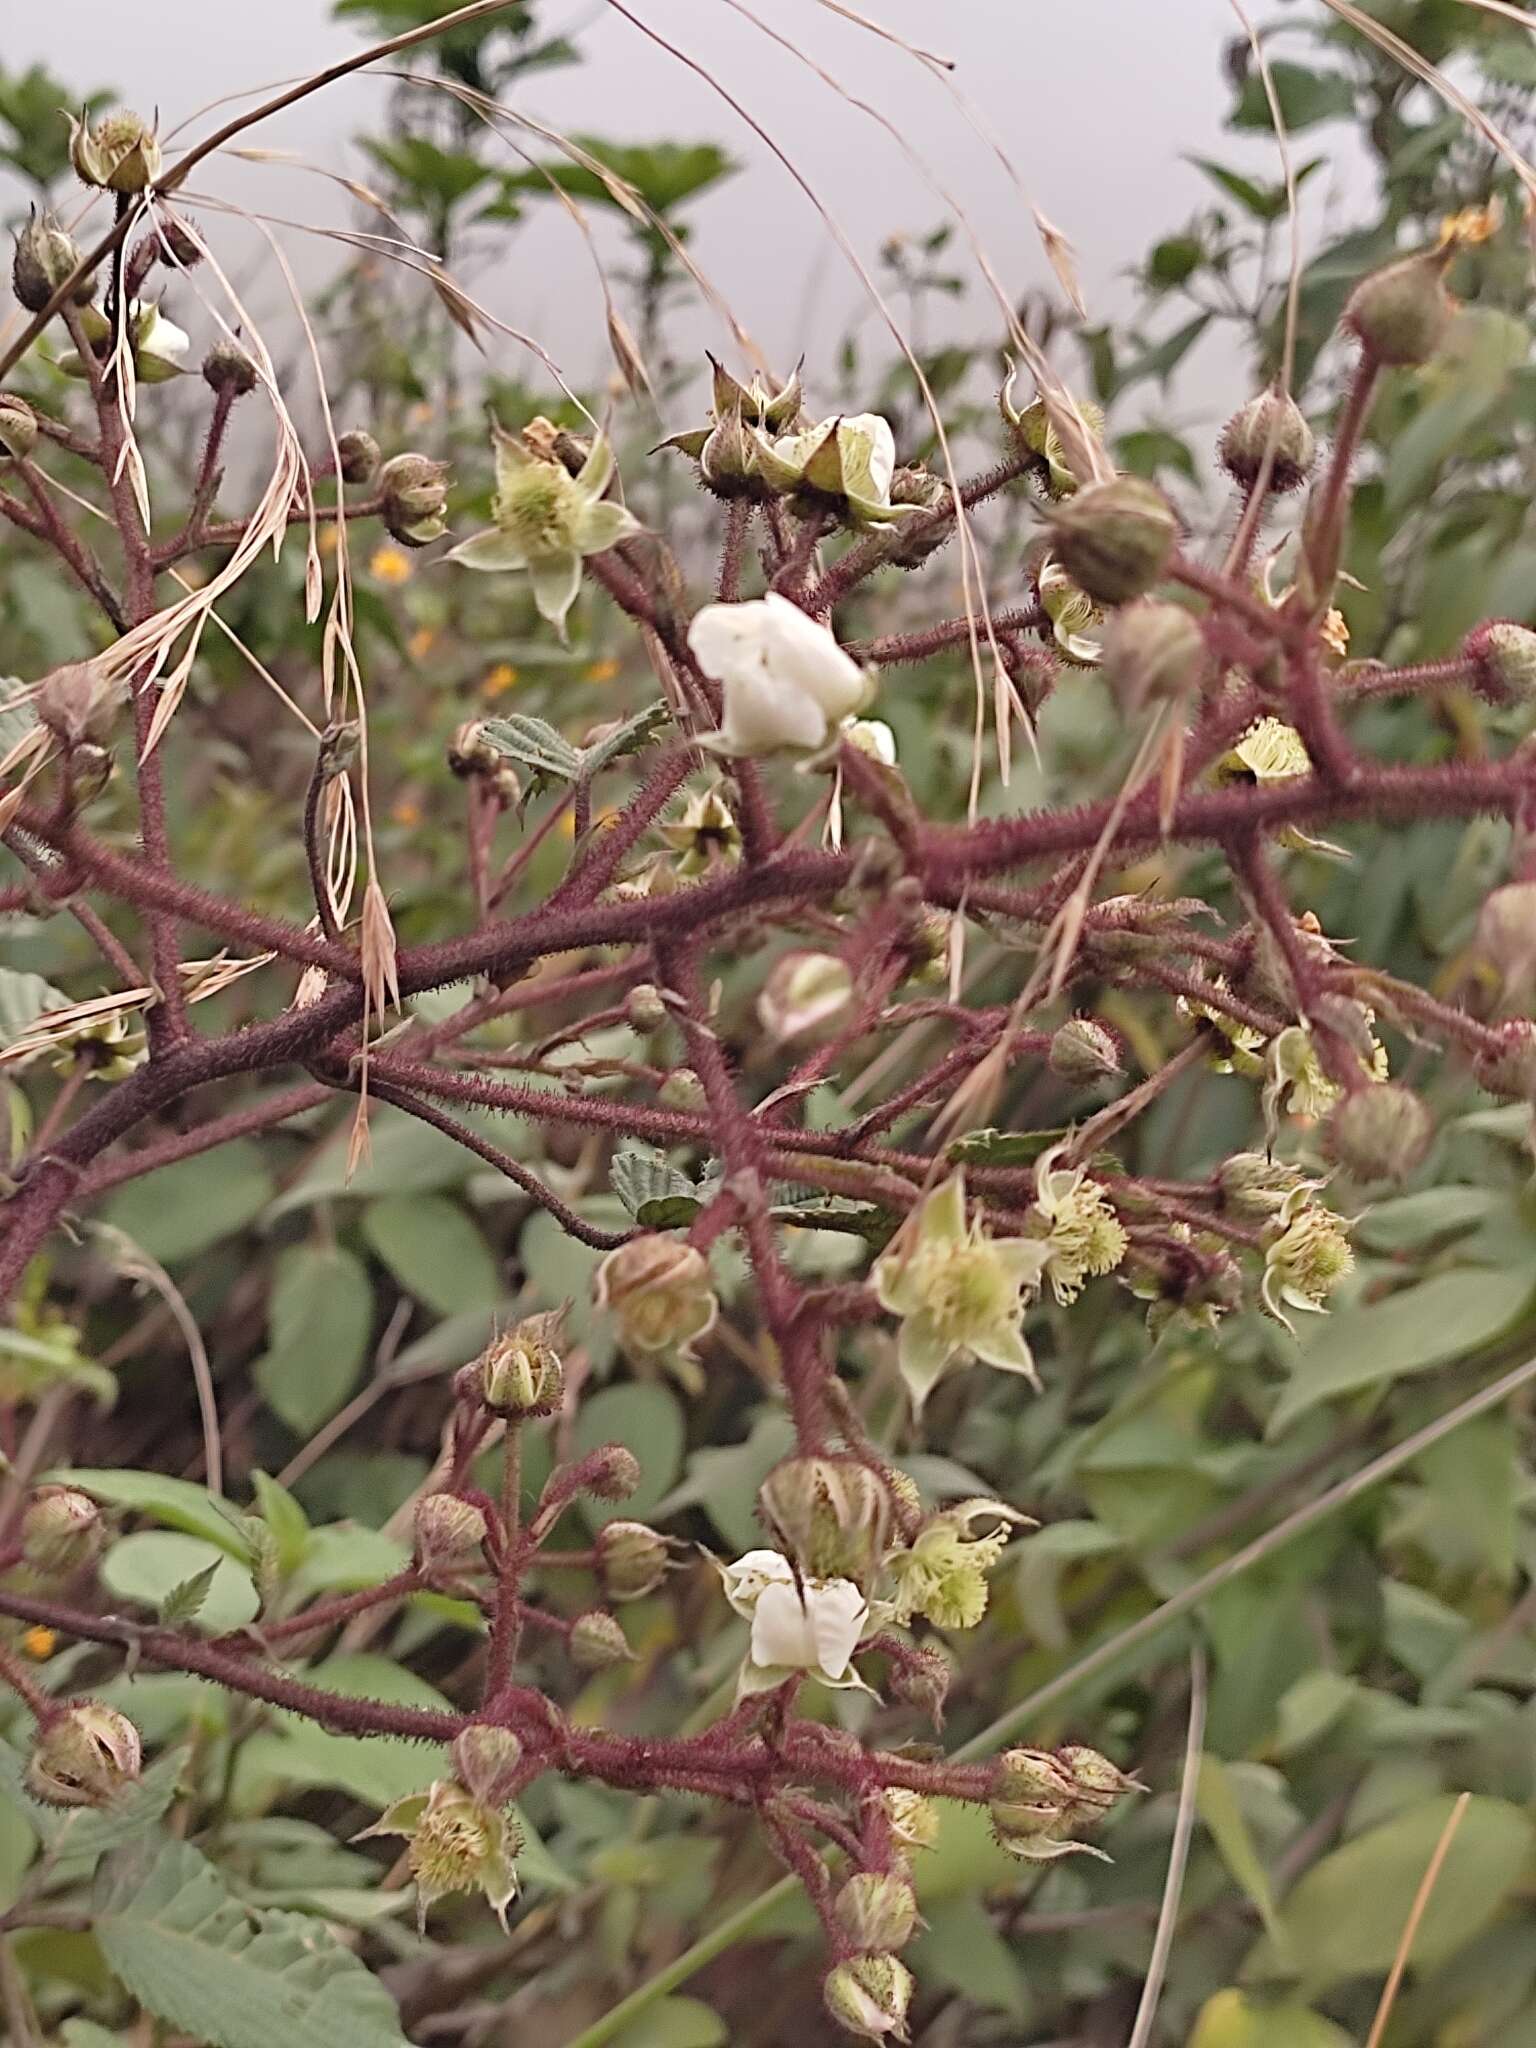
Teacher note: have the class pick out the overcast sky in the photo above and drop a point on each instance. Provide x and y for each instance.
(1097, 103)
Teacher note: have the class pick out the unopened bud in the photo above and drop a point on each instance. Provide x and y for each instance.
(177, 241)
(61, 1530)
(598, 1642)
(488, 1761)
(471, 753)
(1273, 426)
(450, 1534)
(119, 152)
(18, 427)
(1083, 1051)
(870, 1996)
(1503, 658)
(84, 1757)
(834, 1515)
(631, 1560)
(1506, 939)
(91, 768)
(414, 493)
(1255, 1187)
(612, 1472)
(876, 1910)
(1114, 539)
(1402, 314)
(45, 255)
(1510, 1071)
(914, 1817)
(806, 995)
(1380, 1132)
(520, 1372)
(644, 1009)
(357, 456)
(658, 1291)
(1097, 1781)
(682, 1089)
(1154, 653)
(228, 370)
(922, 1679)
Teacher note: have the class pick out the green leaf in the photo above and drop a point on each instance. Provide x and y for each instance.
(228, 1975)
(407, 1157)
(533, 743)
(649, 1420)
(962, 1948)
(656, 1193)
(1264, 202)
(1234, 2019)
(1216, 1802)
(342, 1558)
(664, 174)
(320, 1318)
(966, 1861)
(376, 1769)
(186, 1208)
(158, 1566)
(435, 1251)
(1409, 1221)
(444, 175)
(1173, 260)
(1410, 1332)
(285, 1518)
(78, 1838)
(630, 737)
(1345, 1917)
(1305, 97)
(173, 1503)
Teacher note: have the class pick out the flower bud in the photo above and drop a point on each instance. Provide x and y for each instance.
(84, 1757)
(61, 1530)
(45, 255)
(471, 753)
(913, 1816)
(833, 1514)
(922, 1679)
(1380, 1132)
(644, 1009)
(612, 1472)
(598, 1642)
(805, 995)
(1114, 539)
(1272, 424)
(1097, 1782)
(1402, 314)
(682, 1089)
(119, 152)
(658, 1291)
(487, 1761)
(1506, 939)
(869, 1996)
(18, 427)
(1083, 1051)
(1033, 1776)
(357, 457)
(521, 1373)
(1511, 1070)
(228, 370)
(631, 1560)
(1503, 658)
(1153, 654)
(450, 1535)
(177, 241)
(1255, 1187)
(876, 1910)
(414, 494)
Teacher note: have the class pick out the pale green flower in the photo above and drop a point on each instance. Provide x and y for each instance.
(1038, 437)
(706, 836)
(458, 1843)
(1076, 621)
(1245, 1041)
(547, 521)
(959, 1292)
(1307, 1257)
(1296, 1078)
(1086, 1238)
(942, 1573)
(848, 461)
(1269, 751)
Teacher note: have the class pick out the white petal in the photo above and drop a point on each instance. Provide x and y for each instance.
(838, 1613)
(870, 427)
(745, 1579)
(763, 714)
(781, 1629)
(729, 640)
(802, 652)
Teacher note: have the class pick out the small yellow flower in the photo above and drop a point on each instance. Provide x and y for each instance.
(942, 1574)
(497, 681)
(1335, 633)
(329, 539)
(1084, 1237)
(1269, 751)
(390, 565)
(1307, 1257)
(1471, 226)
(406, 813)
(421, 643)
(40, 1643)
(602, 671)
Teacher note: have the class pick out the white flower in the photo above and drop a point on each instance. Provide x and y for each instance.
(787, 683)
(798, 1624)
(874, 737)
(849, 460)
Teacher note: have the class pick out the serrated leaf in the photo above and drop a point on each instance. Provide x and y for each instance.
(990, 1147)
(76, 1839)
(628, 738)
(533, 743)
(185, 1601)
(656, 1193)
(229, 1975)
(157, 1567)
